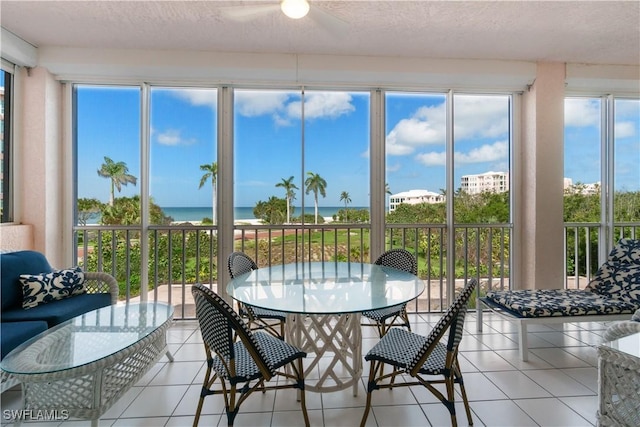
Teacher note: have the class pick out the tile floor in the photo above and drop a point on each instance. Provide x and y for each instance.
(557, 387)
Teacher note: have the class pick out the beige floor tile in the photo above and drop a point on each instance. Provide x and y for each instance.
(178, 373)
(501, 413)
(516, 385)
(551, 412)
(559, 357)
(156, 401)
(558, 383)
(480, 388)
(488, 361)
(439, 415)
(586, 406)
(399, 415)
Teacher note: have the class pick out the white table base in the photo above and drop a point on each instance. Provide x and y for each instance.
(333, 338)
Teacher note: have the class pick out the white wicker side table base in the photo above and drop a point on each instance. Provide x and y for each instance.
(619, 377)
(81, 367)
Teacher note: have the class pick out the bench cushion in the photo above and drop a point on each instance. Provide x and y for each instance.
(558, 302)
(59, 311)
(617, 280)
(15, 333)
(626, 251)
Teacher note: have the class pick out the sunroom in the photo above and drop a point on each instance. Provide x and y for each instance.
(236, 128)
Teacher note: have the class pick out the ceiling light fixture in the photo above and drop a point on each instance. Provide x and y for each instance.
(295, 9)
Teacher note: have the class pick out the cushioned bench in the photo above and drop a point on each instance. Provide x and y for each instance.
(35, 297)
(613, 294)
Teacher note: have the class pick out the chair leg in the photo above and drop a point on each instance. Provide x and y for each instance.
(370, 387)
(460, 381)
(203, 393)
(451, 406)
(303, 402)
(405, 318)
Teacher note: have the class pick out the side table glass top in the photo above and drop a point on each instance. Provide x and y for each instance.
(629, 344)
(87, 338)
(325, 287)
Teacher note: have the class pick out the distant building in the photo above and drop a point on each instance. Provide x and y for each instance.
(496, 182)
(414, 197)
(579, 188)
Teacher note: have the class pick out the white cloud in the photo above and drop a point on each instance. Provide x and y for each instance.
(172, 137)
(625, 129)
(425, 127)
(276, 104)
(322, 105)
(257, 103)
(485, 153)
(197, 97)
(580, 112)
(474, 117)
(432, 159)
(478, 116)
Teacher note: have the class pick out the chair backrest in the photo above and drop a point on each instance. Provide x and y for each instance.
(220, 325)
(240, 263)
(400, 259)
(453, 321)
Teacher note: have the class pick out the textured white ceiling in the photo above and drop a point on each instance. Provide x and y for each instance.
(606, 32)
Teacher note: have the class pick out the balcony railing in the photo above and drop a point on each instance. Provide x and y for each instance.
(180, 255)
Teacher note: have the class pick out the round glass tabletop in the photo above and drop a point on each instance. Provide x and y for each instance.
(325, 287)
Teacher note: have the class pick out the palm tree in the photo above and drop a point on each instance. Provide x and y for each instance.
(317, 184)
(345, 196)
(288, 186)
(210, 171)
(118, 173)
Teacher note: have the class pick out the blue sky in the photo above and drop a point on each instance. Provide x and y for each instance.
(268, 149)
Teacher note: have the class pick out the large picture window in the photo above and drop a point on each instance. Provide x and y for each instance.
(6, 141)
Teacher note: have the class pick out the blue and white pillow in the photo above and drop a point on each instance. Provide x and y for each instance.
(46, 287)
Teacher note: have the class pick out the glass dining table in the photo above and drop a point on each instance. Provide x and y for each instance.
(324, 301)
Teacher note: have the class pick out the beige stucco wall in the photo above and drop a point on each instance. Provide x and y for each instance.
(40, 162)
(16, 237)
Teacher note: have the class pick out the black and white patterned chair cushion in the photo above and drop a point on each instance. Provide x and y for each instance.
(219, 325)
(382, 314)
(405, 349)
(240, 263)
(400, 259)
(277, 352)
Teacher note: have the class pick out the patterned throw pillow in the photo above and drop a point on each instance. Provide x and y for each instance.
(46, 287)
(626, 251)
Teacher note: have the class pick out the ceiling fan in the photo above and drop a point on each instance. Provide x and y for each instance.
(294, 9)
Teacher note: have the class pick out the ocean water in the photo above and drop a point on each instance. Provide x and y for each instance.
(197, 213)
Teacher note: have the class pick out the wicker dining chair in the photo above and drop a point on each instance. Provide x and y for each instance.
(272, 321)
(423, 358)
(236, 356)
(396, 315)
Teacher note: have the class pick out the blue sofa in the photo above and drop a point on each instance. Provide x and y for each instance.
(19, 324)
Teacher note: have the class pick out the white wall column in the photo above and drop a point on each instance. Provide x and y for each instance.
(41, 163)
(540, 205)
